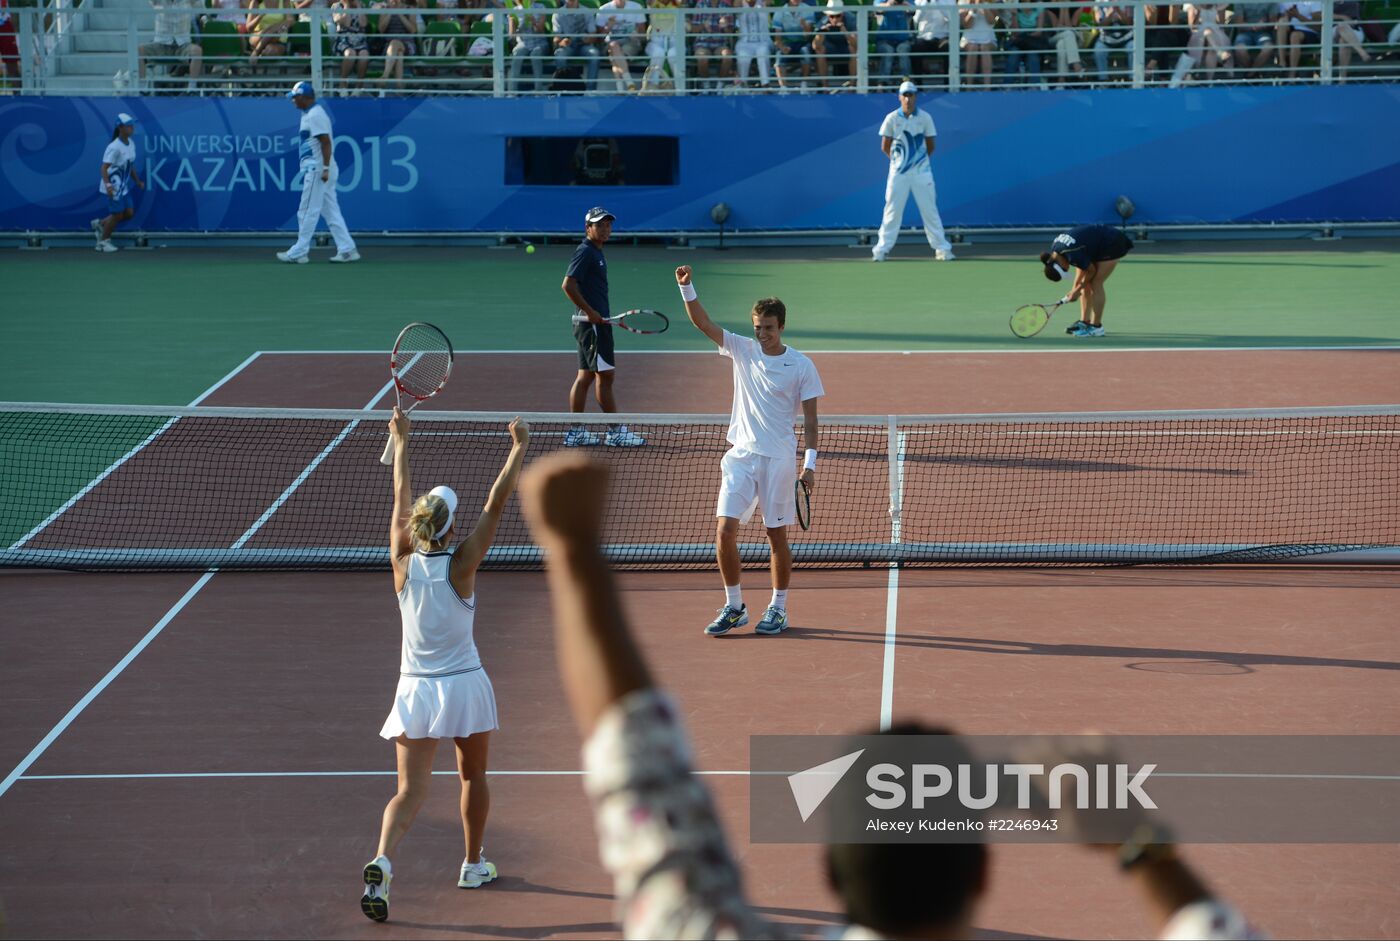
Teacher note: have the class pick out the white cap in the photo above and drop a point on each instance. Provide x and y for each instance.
(908, 88)
(450, 498)
(124, 118)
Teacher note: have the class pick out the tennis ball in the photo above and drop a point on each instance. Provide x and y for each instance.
(529, 248)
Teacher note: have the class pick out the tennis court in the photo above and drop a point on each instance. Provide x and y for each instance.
(223, 776)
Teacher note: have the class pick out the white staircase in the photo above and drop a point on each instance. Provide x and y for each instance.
(97, 44)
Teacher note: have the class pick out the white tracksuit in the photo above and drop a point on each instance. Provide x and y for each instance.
(910, 171)
(318, 198)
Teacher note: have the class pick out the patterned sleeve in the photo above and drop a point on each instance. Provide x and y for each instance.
(1210, 920)
(657, 831)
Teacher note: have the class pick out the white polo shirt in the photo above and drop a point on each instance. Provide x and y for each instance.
(768, 396)
(119, 156)
(910, 132)
(314, 123)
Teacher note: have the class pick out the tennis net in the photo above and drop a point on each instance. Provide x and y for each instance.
(137, 487)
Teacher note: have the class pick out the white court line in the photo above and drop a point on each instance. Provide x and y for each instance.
(102, 684)
(202, 775)
(111, 468)
(892, 588)
(892, 352)
(175, 609)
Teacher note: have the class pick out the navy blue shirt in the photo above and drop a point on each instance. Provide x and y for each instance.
(1084, 245)
(590, 270)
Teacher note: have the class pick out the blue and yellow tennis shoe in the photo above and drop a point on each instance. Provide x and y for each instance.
(729, 618)
(774, 621)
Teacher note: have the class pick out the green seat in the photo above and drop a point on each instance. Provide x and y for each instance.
(481, 26)
(223, 47)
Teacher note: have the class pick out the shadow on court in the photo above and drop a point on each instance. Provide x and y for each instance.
(1096, 651)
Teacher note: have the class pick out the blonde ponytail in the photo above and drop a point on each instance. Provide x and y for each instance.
(428, 517)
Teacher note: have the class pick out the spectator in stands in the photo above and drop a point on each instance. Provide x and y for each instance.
(930, 48)
(1064, 38)
(574, 40)
(1166, 39)
(894, 40)
(397, 26)
(1347, 14)
(1115, 28)
(1298, 25)
(714, 38)
(834, 48)
(230, 11)
(172, 40)
(794, 24)
(529, 32)
(1027, 39)
(979, 40)
(10, 72)
(351, 38)
(1207, 43)
(1253, 24)
(663, 28)
(267, 29)
(754, 43)
(659, 835)
(621, 22)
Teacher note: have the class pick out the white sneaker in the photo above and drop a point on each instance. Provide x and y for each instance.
(477, 874)
(620, 437)
(106, 246)
(877, 257)
(346, 257)
(375, 901)
(944, 255)
(292, 260)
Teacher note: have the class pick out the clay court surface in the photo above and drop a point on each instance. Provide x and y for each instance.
(227, 780)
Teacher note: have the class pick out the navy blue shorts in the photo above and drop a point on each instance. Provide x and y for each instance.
(595, 346)
(121, 204)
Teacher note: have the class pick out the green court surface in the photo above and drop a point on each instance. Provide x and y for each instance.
(160, 326)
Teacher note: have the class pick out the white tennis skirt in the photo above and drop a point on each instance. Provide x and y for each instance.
(442, 707)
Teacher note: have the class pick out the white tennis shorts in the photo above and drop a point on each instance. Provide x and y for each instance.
(442, 707)
(749, 480)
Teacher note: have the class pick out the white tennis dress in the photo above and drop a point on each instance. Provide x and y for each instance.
(443, 690)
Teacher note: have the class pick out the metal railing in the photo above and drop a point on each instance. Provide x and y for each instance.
(714, 49)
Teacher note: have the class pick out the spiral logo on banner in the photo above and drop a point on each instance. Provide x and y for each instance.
(50, 156)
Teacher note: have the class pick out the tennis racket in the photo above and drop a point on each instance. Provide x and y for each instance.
(420, 365)
(641, 321)
(1032, 318)
(804, 504)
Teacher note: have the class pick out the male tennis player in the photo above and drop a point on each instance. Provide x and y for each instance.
(586, 287)
(773, 383)
(319, 176)
(1094, 251)
(907, 138)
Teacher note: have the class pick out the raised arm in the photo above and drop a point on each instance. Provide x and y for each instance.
(400, 542)
(695, 310)
(473, 549)
(564, 497)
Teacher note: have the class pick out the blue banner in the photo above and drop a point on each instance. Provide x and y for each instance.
(1224, 154)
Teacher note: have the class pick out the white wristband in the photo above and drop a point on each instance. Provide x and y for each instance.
(688, 292)
(809, 460)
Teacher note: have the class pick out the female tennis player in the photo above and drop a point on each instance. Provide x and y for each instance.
(117, 174)
(443, 690)
(773, 384)
(1095, 251)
